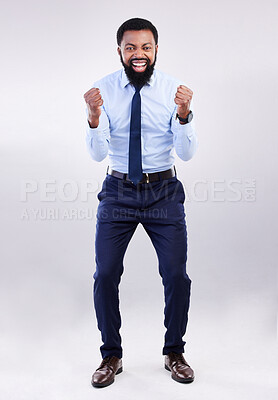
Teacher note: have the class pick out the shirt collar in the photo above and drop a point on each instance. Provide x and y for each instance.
(125, 81)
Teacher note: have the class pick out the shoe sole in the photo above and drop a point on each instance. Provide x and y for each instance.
(104, 384)
(185, 380)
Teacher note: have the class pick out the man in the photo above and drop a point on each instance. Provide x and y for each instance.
(138, 116)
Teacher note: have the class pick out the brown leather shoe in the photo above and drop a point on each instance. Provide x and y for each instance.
(105, 373)
(181, 371)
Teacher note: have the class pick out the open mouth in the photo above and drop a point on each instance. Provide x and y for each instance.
(139, 66)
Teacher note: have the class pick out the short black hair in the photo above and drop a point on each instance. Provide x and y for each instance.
(136, 24)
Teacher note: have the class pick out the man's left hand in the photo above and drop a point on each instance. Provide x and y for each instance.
(182, 99)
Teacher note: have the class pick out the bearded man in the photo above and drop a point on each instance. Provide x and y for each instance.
(138, 116)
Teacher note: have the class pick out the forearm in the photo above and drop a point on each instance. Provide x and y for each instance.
(98, 136)
(97, 144)
(185, 141)
(93, 122)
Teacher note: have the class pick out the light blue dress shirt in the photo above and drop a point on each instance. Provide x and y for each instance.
(161, 132)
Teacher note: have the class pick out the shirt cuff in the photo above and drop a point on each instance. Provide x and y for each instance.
(93, 131)
(185, 129)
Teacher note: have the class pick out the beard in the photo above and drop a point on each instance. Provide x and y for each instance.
(139, 78)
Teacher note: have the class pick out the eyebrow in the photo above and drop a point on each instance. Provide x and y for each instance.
(131, 44)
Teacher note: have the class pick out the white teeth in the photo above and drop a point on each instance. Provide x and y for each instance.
(139, 64)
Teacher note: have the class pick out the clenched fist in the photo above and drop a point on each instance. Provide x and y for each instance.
(94, 102)
(182, 99)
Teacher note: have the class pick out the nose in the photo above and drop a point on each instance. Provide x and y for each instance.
(139, 53)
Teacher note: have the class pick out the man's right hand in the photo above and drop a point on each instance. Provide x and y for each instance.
(94, 102)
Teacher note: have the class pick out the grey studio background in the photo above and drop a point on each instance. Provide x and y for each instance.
(51, 54)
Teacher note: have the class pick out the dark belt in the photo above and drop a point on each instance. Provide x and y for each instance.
(147, 177)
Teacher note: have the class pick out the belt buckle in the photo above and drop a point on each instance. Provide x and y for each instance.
(147, 178)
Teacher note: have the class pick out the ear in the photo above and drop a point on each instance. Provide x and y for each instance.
(156, 47)
(119, 50)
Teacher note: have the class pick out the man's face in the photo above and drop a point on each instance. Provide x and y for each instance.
(138, 55)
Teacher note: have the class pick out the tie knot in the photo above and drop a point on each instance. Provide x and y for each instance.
(138, 88)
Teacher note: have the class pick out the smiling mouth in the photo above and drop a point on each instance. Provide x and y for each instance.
(139, 66)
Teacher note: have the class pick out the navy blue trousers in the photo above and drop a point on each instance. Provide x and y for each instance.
(159, 207)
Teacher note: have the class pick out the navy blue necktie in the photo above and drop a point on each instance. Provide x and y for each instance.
(135, 172)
